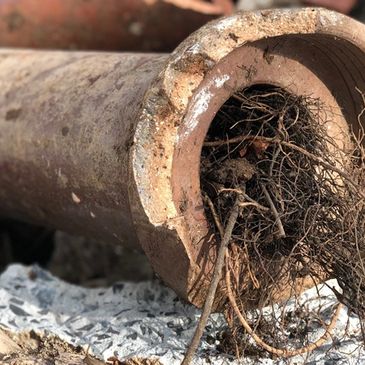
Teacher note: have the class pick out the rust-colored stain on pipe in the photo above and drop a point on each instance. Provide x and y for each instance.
(142, 25)
(108, 145)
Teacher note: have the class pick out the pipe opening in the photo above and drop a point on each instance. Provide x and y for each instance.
(298, 66)
(296, 183)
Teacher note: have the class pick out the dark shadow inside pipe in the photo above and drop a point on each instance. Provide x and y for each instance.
(24, 243)
(75, 259)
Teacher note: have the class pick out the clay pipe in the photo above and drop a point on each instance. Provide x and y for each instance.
(108, 145)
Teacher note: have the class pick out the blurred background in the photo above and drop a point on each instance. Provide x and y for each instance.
(126, 25)
(107, 25)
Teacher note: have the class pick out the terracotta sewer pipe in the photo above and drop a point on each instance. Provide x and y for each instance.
(128, 25)
(108, 145)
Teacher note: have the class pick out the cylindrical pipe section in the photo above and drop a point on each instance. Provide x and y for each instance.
(133, 25)
(67, 123)
(109, 145)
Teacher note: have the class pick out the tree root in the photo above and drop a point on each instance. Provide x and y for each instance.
(271, 349)
(207, 309)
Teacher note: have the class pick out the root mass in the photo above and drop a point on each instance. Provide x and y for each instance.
(302, 208)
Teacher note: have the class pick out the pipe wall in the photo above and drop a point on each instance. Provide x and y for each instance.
(66, 127)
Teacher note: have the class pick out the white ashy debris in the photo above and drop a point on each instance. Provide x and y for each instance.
(201, 103)
(144, 319)
(219, 81)
(225, 23)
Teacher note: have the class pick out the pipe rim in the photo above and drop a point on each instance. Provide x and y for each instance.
(192, 75)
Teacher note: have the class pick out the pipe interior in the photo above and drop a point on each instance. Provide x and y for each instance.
(320, 66)
(339, 64)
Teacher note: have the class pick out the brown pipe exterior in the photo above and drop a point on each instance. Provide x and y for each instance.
(66, 129)
(109, 145)
(133, 25)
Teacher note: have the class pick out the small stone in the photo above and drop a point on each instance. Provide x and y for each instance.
(75, 198)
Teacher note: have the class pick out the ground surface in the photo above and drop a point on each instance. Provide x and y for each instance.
(47, 321)
(29, 348)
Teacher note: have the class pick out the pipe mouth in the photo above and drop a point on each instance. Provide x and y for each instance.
(308, 52)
